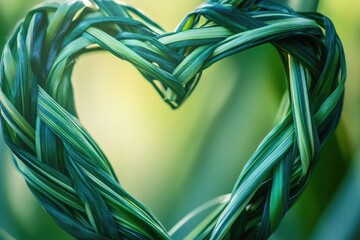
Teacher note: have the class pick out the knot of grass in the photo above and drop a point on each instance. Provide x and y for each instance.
(69, 174)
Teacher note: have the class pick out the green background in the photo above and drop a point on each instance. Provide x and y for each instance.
(171, 160)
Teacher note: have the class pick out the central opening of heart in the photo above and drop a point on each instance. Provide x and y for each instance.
(174, 160)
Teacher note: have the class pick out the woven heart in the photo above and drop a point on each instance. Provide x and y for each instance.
(69, 174)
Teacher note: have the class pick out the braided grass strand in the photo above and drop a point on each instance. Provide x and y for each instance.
(67, 171)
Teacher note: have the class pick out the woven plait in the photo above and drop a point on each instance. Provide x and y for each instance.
(67, 171)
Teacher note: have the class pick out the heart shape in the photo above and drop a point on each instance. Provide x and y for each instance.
(69, 174)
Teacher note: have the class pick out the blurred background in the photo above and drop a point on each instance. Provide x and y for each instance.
(183, 152)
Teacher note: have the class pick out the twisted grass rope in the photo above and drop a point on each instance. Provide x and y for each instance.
(70, 175)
